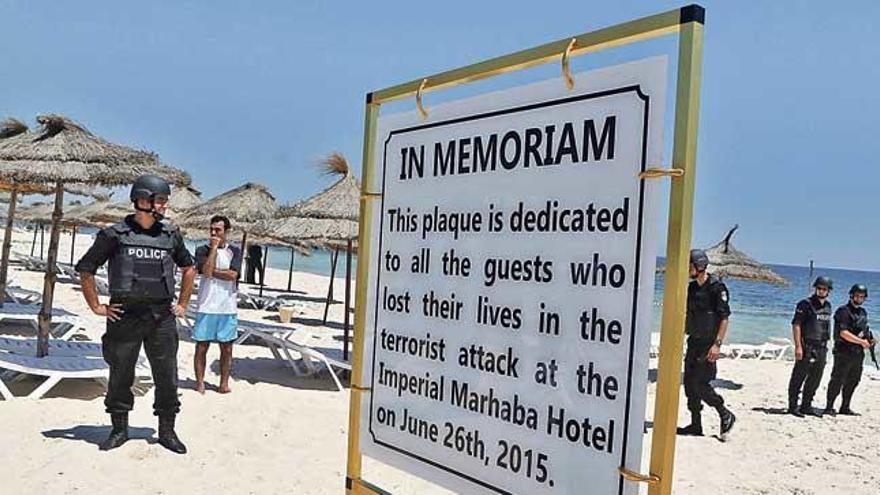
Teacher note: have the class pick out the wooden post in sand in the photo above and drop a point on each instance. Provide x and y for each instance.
(34, 241)
(7, 244)
(347, 301)
(265, 264)
(290, 271)
(330, 288)
(44, 318)
(72, 243)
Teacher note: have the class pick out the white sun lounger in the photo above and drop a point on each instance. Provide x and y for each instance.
(255, 301)
(20, 295)
(37, 264)
(100, 279)
(329, 357)
(57, 347)
(248, 328)
(245, 328)
(767, 350)
(56, 367)
(63, 321)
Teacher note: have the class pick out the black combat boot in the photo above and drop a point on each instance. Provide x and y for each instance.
(793, 409)
(846, 411)
(727, 421)
(829, 411)
(808, 410)
(694, 429)
(119, 433)
(167, 437)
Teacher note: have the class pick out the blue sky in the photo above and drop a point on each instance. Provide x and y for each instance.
(258, 91)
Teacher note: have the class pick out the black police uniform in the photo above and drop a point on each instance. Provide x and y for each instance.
(848, 357)
(254, 264)
(707, 307)
(814, 318)
(141, 272)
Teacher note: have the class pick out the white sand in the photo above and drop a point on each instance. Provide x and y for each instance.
(278, 433)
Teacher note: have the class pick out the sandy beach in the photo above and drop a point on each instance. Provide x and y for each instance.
(281, 433)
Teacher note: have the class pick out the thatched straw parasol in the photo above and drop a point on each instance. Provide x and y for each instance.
(340, 201)
(6, 190)
(9, 193)
(40, 214)
(322, 233)
(183, 199)
(103, 213)
(329, 217)
(727, 261)
(245, 206)
(63, 151)
(319, 230)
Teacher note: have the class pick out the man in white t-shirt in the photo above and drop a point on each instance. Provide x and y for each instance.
(217, 314)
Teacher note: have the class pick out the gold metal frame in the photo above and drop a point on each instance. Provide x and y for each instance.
(688, 23)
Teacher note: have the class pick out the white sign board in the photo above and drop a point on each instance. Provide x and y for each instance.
(511, 285)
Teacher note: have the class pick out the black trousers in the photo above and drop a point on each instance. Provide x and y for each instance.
(251, 270)
(155, 327)
(698, 372)
(807, 373)
(845, 375)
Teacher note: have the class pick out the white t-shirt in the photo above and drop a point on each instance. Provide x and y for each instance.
(219, 296)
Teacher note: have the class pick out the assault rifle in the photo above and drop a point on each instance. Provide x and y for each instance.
(870, 337)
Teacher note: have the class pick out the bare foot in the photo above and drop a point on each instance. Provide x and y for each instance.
(200, 387)
(224, 389)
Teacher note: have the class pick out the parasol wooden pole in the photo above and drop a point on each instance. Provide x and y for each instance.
(43, 238)
(330, 288)
(290, 270)
(347, 301)
(45, 316)
(34, 242)
(7, 244)
(72, 243)
(263, 271)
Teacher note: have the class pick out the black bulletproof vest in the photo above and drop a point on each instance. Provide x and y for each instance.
(702, 317)
(142, 267)
(859, 319)
(816, 325)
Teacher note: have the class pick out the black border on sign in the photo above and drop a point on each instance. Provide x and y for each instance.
(562, 101)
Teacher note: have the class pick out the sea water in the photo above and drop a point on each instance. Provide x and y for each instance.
(759, 310)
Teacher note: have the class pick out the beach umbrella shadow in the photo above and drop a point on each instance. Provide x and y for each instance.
(726, 384)
(95, 434)
(773, 411)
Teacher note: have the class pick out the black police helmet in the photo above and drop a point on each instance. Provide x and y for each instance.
(859, 289)
(824, 282)
(699, 259)
(147, 186)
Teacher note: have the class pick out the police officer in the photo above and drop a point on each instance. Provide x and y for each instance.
(850, 342)
(142, 251)
(811, 329)
(706, 326)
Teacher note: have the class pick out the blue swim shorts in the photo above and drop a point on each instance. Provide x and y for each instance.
(215, 328)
